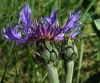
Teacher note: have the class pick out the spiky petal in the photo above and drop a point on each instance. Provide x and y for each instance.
(47, 29)
(15, 34)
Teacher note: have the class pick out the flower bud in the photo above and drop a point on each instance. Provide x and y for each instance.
(48, 53)
(69, 50)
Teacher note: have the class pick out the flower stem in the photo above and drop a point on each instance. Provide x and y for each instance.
(69, 71)
(52, 73)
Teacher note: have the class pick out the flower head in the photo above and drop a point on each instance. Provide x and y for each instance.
(47, 29)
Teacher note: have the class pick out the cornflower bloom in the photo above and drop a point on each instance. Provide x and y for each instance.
(46, 30)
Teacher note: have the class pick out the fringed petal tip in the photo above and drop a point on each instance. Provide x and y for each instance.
(52, 18)
(73, 21)
(14, 34)
(76, 32)
(76, 14)
(25, 16)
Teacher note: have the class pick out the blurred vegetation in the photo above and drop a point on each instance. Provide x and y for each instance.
(19, 65)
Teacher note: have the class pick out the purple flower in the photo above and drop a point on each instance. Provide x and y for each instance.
(47, 29)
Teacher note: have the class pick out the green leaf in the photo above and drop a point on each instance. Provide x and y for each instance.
(95, 78)
(97, 23)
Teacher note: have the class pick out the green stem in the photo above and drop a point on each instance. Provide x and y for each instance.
(69, 66)
(80, 62)
(52, 73)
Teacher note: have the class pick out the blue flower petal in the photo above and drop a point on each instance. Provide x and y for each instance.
(52, 17)
(25, 16)
(73, 21)
(14, 35)
(76, 32)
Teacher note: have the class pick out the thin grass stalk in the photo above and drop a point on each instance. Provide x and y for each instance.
(9, 57)
(80, 62)
(44, 78)
(3, 76)
(88, 8)
(3, 43)
(13, 13)
(32, 4)
(82, 45)
(59, 7)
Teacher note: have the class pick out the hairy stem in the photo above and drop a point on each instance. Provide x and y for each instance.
(69, 71)
(52, 73)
